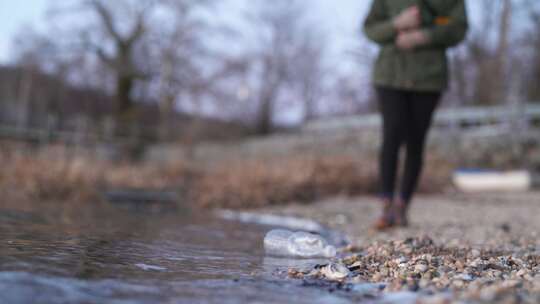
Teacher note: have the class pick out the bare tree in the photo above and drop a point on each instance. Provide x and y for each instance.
(36, 54)
(482, 56)
(480, 68)
(310, 71)
(532, 41)
(179, 49)
(502, 57)
(119, 57)
(191, 71)
(284, 36)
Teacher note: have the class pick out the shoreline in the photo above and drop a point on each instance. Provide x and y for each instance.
(481, 248)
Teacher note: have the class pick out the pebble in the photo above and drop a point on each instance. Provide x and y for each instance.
(335, 271)
(421, 268)
(418, 264)
(458, 283)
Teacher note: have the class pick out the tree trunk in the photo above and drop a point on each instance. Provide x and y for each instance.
(167, 97)
(167, 119)
(264, 122)
(124, 104)
(533, 90)
(25, 91)
(501, 66)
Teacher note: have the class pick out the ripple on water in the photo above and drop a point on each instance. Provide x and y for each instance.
(147, 267)
(115, 256)
(20, 287)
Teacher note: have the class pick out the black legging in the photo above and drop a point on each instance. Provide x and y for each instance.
(407, 117)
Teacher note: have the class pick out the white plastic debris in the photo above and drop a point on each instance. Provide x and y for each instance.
(471, 181)
(297, 244)
(147, 267)
(288, 222)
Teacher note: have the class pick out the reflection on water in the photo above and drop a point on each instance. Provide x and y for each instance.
(67, 254)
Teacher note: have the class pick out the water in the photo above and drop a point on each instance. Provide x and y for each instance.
(103, 253)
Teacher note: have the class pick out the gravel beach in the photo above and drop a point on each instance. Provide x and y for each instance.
(481, 248)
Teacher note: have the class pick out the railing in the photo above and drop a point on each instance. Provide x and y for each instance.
(82, 133)
(482, 121)
(462, 118)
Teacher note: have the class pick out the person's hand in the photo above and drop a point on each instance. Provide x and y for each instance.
(409, 40)
(408, 19)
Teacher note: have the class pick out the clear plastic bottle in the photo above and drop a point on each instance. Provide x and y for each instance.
(297, 244)
(308, 245)
(276, 242)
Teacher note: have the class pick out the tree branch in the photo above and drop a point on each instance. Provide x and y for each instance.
(107, 19)
(138, 29)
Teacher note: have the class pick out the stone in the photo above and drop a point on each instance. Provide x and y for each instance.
(421, 268)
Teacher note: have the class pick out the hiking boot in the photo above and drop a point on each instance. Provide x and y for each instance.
(401, 210)
(387, 219)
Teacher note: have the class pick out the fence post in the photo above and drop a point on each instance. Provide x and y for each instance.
(455, 136)
(50, 129)
(108, 129)
(79, 136)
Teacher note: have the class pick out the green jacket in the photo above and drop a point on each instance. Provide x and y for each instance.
(424, 68)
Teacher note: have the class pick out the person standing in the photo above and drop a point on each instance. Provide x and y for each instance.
(410, 75)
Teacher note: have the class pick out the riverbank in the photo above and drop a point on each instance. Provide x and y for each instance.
(477, 249)
(61, 174)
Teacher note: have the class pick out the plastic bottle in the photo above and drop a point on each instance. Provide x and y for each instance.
(276, 242)
(309, 245)
(297, 244)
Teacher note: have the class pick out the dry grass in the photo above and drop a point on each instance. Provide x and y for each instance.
(240, 184)
(255, 183)
(38, 178)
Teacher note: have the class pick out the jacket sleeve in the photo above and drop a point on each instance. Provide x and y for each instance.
(451, 32)
(378, 26)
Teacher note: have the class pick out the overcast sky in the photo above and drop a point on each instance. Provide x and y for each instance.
(340, 18)
(13, 16)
